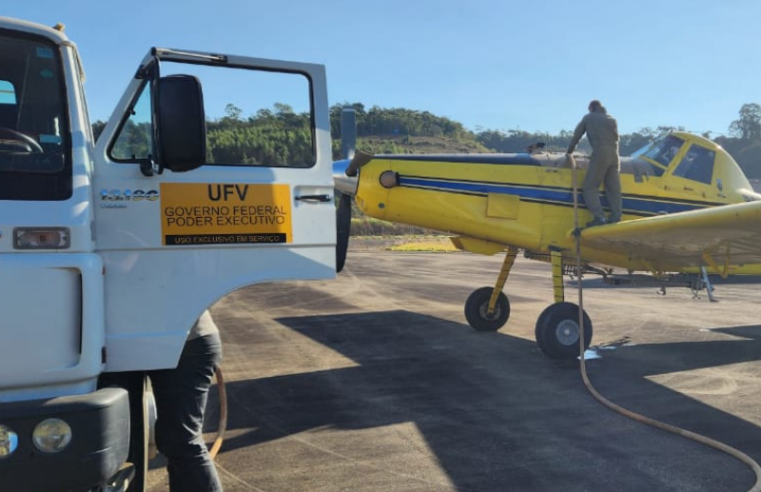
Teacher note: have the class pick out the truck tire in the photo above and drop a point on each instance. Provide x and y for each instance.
(136, 384)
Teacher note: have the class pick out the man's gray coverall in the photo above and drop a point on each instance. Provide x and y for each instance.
(602, 132)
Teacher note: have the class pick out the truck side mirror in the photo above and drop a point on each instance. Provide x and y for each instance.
(180, 123)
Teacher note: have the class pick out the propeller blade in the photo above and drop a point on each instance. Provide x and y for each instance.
(343, 228)
(348, 131)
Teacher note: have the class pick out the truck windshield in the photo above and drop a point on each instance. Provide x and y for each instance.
(34, 133)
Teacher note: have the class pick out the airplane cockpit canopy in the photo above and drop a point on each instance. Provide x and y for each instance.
(695, 164)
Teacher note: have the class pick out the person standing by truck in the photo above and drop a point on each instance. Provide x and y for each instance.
(181, 395)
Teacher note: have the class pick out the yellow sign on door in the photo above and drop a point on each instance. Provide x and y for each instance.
(225, 213)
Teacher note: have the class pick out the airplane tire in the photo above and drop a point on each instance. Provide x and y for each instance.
(557, 331)
(478, 304)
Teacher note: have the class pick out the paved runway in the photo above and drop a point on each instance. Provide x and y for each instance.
(374, 382)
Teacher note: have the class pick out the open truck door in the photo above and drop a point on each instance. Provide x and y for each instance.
(190, 207)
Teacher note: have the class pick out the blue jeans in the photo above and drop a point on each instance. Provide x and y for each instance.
(181, 395)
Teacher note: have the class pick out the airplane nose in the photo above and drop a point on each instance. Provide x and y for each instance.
(342, 182)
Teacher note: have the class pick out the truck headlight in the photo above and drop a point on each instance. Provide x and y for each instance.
(8, 441)
(52, 435)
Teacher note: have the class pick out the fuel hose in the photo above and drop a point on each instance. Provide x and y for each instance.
(735, 453)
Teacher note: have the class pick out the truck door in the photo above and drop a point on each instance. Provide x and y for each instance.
(260, 209)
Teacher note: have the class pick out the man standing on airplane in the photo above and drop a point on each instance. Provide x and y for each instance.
(602, 133)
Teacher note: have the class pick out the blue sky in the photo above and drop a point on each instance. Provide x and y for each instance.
(491, 64)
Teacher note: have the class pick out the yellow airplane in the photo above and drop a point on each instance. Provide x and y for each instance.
(688, 208)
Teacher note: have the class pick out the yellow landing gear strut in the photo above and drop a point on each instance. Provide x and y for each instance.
(558, 288)
(487, 308)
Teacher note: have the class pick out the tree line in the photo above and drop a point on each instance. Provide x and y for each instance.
(280, 136)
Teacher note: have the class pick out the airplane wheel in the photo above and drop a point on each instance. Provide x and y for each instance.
(477, 306)
(557, 331)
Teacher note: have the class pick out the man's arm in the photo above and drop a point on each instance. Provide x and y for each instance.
(581, 128)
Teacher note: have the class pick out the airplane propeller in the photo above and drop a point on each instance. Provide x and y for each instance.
(343, 228)
(345, 185)
(346, 181)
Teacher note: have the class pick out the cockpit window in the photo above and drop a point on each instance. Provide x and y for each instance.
(697, 164)
(664, 150)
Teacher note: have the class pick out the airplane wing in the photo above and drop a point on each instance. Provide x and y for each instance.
(720, 237)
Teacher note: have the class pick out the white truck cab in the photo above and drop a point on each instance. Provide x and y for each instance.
(109, 252)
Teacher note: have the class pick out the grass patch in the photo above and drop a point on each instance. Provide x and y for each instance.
(367, 226)
(370, 233)
(433, 245)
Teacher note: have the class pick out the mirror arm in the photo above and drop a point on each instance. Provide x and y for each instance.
(148, 167)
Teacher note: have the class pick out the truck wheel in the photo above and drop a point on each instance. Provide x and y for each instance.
(136, 384)
(140, 436)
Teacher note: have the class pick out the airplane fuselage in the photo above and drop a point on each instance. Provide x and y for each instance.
(527, 200)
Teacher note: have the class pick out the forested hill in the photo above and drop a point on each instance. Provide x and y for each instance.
(398, 130)
(280, 135)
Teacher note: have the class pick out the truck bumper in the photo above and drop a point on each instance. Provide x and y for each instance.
(100, 425)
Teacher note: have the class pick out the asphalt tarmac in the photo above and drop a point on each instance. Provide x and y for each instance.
(375, 382)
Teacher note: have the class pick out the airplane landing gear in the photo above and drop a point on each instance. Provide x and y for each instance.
(477, 310)
(557, 331)
(487, 308)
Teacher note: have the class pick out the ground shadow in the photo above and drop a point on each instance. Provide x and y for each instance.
(496, 413)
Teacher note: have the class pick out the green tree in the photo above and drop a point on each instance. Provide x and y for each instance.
(233, 112)
(280, 136)
(749, 159)
(134, 141)
(748, 125)
(97, 129)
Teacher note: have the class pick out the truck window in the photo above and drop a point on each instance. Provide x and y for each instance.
(35, 148)
(253, 118)
(7, 98)
(134, 140)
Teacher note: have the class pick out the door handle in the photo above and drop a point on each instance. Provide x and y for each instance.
(314, 198)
